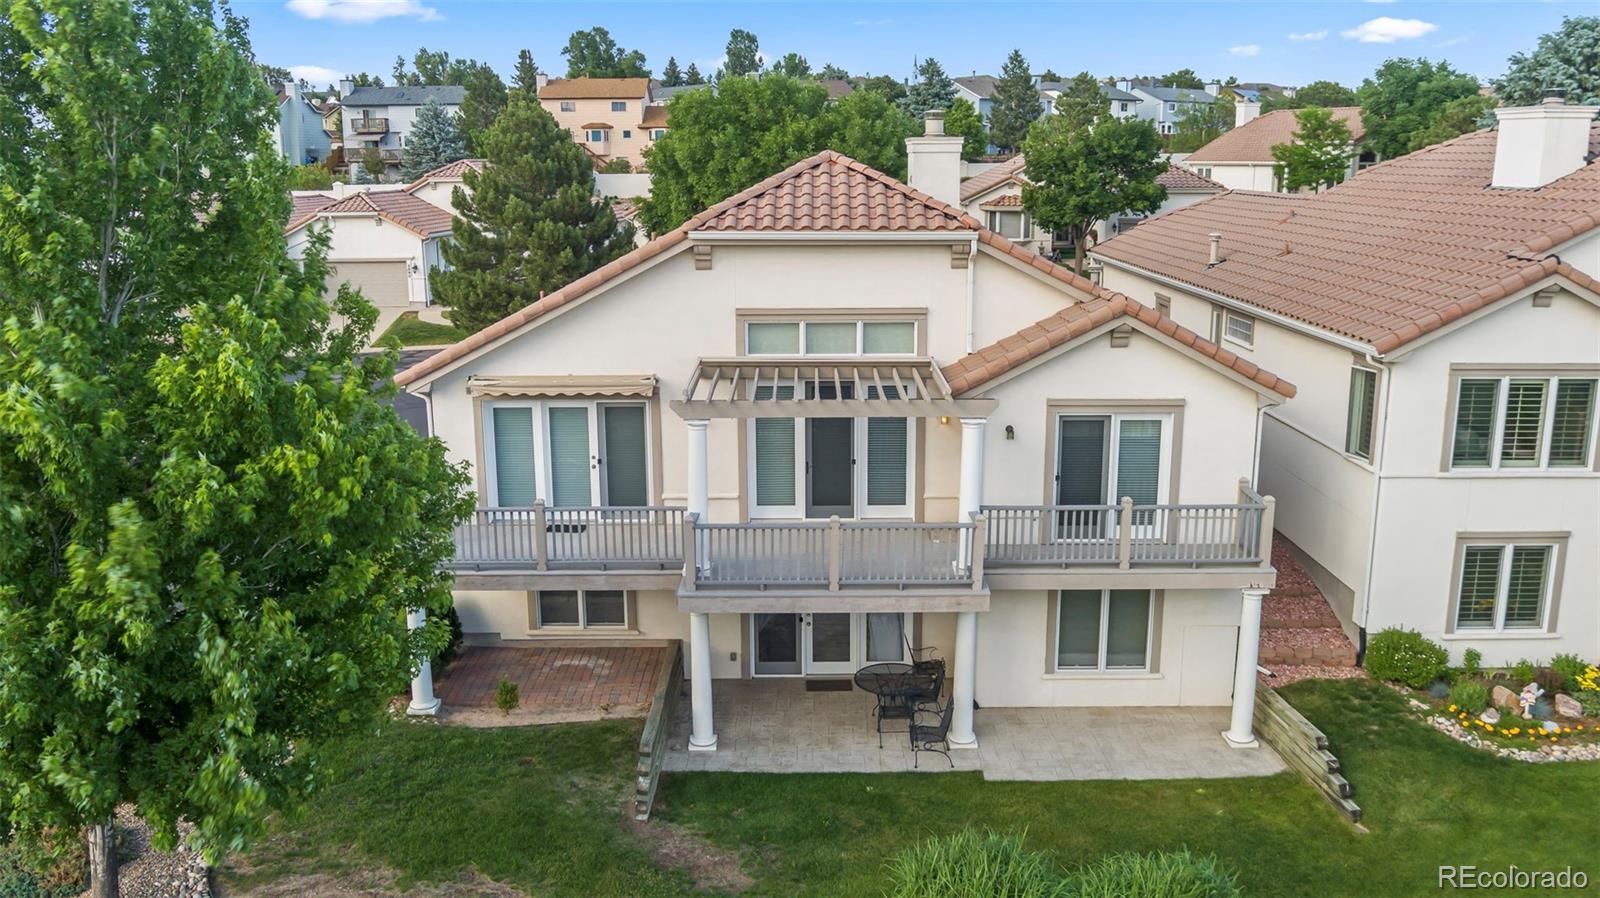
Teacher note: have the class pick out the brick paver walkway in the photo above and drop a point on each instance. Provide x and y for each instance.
(554, 676)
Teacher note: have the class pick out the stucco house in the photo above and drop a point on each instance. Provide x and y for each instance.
(1241, 159)
(834, 418)
(381, 117)
(1440, 314)
(613, 118)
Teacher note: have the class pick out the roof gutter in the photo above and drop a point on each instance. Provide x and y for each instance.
(951, 236)
(1284, 321)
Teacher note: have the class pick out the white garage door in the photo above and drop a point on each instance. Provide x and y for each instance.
(384, 284)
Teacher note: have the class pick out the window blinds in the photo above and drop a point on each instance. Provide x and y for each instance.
(569, 457)
(513, 457)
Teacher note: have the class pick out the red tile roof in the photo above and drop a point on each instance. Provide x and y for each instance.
(1008, 200)
(1398, 251)
(1254, 141)
(303, 204)
(985, 181)
(450, 171)
(1179, 178)
(410, 212)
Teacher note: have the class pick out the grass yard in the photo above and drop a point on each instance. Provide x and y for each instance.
(540, 810)
(413, 331)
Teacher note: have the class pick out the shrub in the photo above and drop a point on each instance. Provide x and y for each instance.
(1523, 672)
(969, 865)
(1439, 689)
(1470, 696)
(1550, 680)
(505, 696)
(1541, 709)
(1160, 874)
(1590, 702)
(451, 648)
(1472, 663)
(1405, 656)
(1570, 667)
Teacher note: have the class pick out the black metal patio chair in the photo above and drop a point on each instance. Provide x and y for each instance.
(925, 736)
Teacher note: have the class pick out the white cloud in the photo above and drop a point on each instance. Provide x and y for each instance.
(316, 75)
(1245, 50)
(1385, 30)
(362, 11)
(1308, 35)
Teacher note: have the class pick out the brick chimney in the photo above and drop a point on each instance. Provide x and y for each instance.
(933, 161)
(1245, 112)
(1538, 144)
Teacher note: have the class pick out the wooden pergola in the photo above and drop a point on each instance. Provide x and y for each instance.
(814, 387)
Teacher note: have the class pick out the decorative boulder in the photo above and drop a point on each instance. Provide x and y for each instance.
(1490, 716)
(1551, 726)
(1504, 698)
(1567, 706)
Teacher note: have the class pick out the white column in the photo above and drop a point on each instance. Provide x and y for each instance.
(971, 466)
(423, 702)
(1241, 731)
(699, 480)
(703, 737)
(964, 684)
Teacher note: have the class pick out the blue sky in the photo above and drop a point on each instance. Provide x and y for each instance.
(1283, 42)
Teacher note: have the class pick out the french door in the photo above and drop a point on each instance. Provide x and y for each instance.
(824, 643)
(1100, 459)
(570, 454)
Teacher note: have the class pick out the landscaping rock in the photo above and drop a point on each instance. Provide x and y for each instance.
(1490, 716)
(1589, 751)
(1567, 706)
(1551, 726)
(1504, 698)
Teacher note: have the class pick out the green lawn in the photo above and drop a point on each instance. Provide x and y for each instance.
(541, 809)
(413, 331)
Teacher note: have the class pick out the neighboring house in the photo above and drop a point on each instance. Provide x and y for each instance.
(438, 186)
(1251, 91)
(613, 118)
(1184, 188)
(381, 117)
(298, 131)
(1241, 159)
(1164, 107)
(979, 91)
(1124, 104)
(805, 455)
(1439, 314)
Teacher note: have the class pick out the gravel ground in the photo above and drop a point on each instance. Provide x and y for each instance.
(146, 873)
(1284, 674)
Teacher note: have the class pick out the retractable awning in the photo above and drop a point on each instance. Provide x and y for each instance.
(568, 385)
(822, 388)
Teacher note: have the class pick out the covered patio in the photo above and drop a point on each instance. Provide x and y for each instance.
(777, 726)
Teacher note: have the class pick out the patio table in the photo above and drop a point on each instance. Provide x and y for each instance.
(897, 687)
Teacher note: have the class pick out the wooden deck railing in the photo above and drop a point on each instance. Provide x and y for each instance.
(833, 554)
(373, 125)
(545, 538)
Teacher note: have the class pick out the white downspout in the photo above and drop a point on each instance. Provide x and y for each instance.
(1377, 487)
(972, 310)
(1255, 461)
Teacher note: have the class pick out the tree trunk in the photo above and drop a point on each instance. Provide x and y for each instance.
(1079, 236)
(103, 861)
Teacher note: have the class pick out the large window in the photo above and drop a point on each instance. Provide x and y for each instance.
(597, 136)
(1101, 458)
(817, 467)
(1362, 407)
(865, 337)
(1504, 586)
(569, 454)
(1515, 422)
(1103, 629)
(1013, 225)
(581, 609)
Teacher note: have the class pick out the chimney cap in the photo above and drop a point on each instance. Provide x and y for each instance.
(933, 122)
(1555, 95)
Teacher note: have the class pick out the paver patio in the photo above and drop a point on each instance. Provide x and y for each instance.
(553, 677)
(776, 726)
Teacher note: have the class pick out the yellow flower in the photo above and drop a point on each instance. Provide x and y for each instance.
(1452, 707)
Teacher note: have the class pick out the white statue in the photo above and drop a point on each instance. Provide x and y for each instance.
(1530, 695)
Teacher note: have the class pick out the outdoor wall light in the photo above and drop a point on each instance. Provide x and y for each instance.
(1011, 432)
(944, 419)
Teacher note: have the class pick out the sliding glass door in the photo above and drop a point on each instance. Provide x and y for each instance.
(1102, 458)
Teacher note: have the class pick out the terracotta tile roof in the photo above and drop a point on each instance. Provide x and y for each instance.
(985, 181)
(450, 171)
(1179, 178)
(810, 187)
(595, 89)
(1400, 250)
(1037, 339)
(1254, 141)
(410, 212)
(654, 117)
(1010, 199)
(837, 87)
(625, 210)
(304, 204)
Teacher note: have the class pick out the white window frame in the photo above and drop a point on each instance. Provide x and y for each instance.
(861, 336)
(1223, 317)
(597, 135)
(657, 133)
(1546, 424)
(569, 105)
(542, 476)
(583, 612)
(1372, 414)
(1164, 471)
(1552, 565)
(1024, 229)
(1105, 632)
(619, 105)
(863, 510)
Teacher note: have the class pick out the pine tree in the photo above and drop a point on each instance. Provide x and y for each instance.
(527, 224)
(933, 89)
(671, 76)
(525, 77)
(692, 75)
(1082, 101)
(963, 120)
(743, 55)
(1015, 104)
(435, 140)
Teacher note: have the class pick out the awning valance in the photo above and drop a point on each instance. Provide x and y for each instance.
(748, 387)
(570, 385)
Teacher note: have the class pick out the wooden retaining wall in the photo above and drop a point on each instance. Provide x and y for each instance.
(657, 726)
(1304, 748)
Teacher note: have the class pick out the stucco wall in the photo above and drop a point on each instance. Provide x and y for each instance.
(1240, 175)
(591, 111)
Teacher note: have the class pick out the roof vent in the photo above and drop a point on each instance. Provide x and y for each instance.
(1216, 247)
(1535, 145)
(1555, 95)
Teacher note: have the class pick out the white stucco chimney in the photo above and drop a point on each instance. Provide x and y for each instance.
(933, 161)
(1538, 144)
(1245, 112)
(347, 86)
(540, 79)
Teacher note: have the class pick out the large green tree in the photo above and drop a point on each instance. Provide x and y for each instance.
(724, 141)
(1182, 78)
(211, 521)
(1080, 175)
(886, 86)
(1014, 106)
(933, 89)
(1201, 123)
(963, 120)
(527, 224)
(435, 139)
(1566, 59)
(1081, 101)
(692, 76)
(1317, 93)
(525, 75)
(1318, 153)
(435, 67)
(671, 75)
(793, 65)
(594, 54)
(831, 72)
(1403, 96)
(1458, 116)
(485, 97)
(743, 55)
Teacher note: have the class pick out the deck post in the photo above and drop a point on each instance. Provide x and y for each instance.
(423, 702)
(1125, 534)
(963, 687)
(834, 540)
(702, 735)
(541, 536)
(970, 500)
(1241, 730)
(1268, 511)
(980, 542)
(699, 484)
(691, 552)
